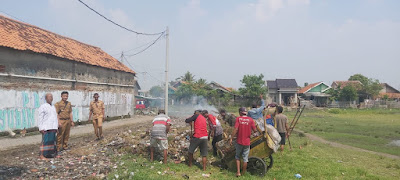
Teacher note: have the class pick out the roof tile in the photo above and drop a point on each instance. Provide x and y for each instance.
(26, 37)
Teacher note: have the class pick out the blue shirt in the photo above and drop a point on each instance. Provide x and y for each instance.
(256, 113)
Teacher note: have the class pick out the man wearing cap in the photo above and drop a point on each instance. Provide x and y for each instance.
(200, 137)
(97, 111)
(243, 127)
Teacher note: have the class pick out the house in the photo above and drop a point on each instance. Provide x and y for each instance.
(219, 87)
(356, 84)
(389, 92)
(34, 61)
(283, 91)
(316, 92)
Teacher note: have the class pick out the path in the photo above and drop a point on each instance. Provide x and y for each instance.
(335, 144)
(10, 143)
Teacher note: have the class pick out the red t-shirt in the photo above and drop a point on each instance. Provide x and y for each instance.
(243, 126)
(200, 125)
(212, 123)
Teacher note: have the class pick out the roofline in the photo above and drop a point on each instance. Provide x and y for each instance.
(391, 87)
(33, 26)
(26, 24)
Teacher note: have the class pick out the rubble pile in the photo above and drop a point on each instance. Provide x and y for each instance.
(90, 158)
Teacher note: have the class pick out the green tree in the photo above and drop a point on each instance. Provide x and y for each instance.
(185, 92)
(370, 87)
(156, 91)
(188, 77)
(254, 86)
(348, 93)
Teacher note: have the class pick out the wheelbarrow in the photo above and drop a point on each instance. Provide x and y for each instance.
(260, 157)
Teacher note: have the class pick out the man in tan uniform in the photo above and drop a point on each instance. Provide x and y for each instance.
(64, 115)
(97, 110)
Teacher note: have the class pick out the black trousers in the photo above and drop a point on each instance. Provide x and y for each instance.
(214, 142)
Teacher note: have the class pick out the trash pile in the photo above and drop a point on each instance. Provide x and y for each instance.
(90, 158)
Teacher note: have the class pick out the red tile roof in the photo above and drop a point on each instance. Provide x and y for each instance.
(342, 84)
(21, 36)
(307, 88)
(390, 95)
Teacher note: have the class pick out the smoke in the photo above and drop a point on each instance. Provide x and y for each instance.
(184, 109)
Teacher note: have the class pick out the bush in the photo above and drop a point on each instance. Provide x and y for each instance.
(334, 111)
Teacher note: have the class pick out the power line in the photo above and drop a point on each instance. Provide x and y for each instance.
(130, 30)
(144, 73)
(12, 16)
(147, 46)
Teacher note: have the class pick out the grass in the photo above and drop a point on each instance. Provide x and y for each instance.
(371, 129)
(313, 161)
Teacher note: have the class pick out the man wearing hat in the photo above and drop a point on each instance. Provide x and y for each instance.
(243, 127)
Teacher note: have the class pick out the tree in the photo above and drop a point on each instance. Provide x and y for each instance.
(370, 87)
(188, 77)
(254, 86)
(348, 93)
(156, 91)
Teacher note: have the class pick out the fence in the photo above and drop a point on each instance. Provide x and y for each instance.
(366, 104)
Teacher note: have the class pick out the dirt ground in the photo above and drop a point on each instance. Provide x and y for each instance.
(86, 157)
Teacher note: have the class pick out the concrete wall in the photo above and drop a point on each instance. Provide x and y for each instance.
(19, 109)
(21, 96)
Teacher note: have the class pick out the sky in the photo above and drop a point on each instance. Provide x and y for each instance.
(221, 41)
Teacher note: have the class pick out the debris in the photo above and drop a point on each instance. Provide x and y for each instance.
(206, 175)
(298, 176)
(185, 176)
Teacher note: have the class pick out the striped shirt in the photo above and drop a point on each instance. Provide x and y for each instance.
(160, 123)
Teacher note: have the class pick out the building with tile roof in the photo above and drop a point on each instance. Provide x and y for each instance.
(34, 61)
(356, 84)
(283, 91)
(315, 92)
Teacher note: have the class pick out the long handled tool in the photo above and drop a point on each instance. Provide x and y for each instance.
(294, 122)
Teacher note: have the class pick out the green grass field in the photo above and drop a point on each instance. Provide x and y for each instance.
(368, 129)
(313, 161)
(371, 129)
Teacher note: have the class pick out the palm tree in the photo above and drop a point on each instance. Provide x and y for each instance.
(188, 77)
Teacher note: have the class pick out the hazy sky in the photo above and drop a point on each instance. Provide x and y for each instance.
(309, 40)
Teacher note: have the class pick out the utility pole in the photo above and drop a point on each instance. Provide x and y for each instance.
(166, 70)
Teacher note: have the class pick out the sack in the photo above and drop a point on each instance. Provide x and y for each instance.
(273, 138)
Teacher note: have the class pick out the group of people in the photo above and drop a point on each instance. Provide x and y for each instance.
(207, 126)
(55, 122)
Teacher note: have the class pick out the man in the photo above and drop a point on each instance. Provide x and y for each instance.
(256, 113)
(48, 125)
(243, 127)
(215, 130)
(227, 118)
(64, 115)
(161, 126)
(200, 137)
(282, 126)
(97, 110)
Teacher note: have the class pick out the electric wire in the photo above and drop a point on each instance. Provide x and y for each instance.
(130, 30)
(147, 46)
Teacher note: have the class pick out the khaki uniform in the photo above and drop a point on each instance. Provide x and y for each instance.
(64, 115)
(97, 110)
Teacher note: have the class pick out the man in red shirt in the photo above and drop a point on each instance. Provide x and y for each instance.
(243, 127)
(200, 137)
(215, 130)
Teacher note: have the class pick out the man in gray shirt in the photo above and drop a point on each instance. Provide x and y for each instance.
(282, 125)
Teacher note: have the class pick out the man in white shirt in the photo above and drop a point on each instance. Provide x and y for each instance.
(48, 125)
